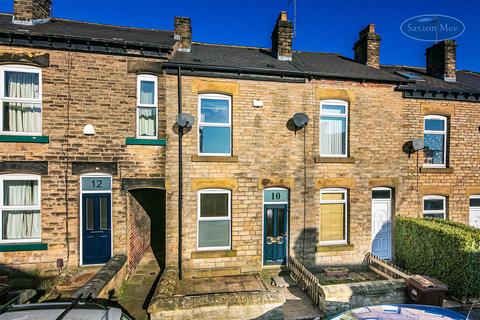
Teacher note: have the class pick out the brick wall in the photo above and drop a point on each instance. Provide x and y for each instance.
(139, 232)
(86, 88)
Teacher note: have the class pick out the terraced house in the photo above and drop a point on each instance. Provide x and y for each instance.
(87, 111)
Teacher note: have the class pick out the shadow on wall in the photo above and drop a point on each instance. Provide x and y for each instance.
(25, 279)
(153, 202)
(305, 246)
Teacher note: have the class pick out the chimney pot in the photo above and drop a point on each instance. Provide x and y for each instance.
(367, 47)
(183, 33)
(442, 60)
(282, 38)
(29, 12)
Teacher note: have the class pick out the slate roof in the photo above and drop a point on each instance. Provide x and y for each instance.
(90, 31)
(465, 82)
(249, 59)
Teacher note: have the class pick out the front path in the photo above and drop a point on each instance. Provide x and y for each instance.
(137, 291)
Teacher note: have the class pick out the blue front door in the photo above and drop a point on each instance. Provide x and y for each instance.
(275, 234)
(96, 228)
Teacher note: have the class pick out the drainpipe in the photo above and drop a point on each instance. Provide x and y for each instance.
(180, 175)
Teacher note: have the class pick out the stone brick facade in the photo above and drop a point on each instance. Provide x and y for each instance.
(265, 153)
(79, 89)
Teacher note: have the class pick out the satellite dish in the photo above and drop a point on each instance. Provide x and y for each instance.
(185, 120)
(300, 120)
(418, 144)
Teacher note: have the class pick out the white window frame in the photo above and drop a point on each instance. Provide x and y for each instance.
(430, 197)
(228, 218)
(38, 101)
(345, 202)
(215, 124)
(20, 177)
(154, 79)
(437, 132)
(326, 114)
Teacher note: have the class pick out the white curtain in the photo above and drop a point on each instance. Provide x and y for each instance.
(146, 92)
(146, 121)
(332, 135)
(22, 117)
(21, 224)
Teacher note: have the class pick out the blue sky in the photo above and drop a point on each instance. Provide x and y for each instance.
(322, 25)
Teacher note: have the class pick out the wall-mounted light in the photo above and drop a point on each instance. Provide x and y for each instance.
(258, 103)
(89, 130)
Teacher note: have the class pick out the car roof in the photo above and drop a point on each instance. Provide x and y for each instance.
(51, 311)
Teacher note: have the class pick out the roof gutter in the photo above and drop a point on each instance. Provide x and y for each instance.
(270, 72)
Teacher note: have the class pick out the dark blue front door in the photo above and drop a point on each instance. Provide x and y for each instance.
(96, 228)
(275, 234)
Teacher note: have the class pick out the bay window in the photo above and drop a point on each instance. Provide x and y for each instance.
(215, 132)
(20, 208)
(333, 128)
(21, 100)
(147, 106)
(214, 219)
(333, 216)
(435, 137)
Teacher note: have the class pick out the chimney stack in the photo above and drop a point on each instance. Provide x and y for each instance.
(367, 47)
(442, 60)
(282, 38)
(183, 33)
(29, 12)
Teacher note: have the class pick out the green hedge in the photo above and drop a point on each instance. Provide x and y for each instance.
(446, 250)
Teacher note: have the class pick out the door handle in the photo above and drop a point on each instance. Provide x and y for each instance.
(271, 240)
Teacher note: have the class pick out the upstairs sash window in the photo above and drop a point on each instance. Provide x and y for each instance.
(147, 106)
(21, 100)
(435, 137)
(215, 125)
(333, 128)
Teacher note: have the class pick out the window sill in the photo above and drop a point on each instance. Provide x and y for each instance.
(335, 248)
(145, 142)
(319, 159)
(214, 159)
(214, 254)
(12, 247)
(25, 139)
(436, 170)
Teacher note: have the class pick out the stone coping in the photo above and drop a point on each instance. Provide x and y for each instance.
(215, 299)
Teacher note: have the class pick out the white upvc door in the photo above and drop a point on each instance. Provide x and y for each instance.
(382, 227)
(474, 217)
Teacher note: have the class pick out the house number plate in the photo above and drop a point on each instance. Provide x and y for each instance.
(96, 184)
